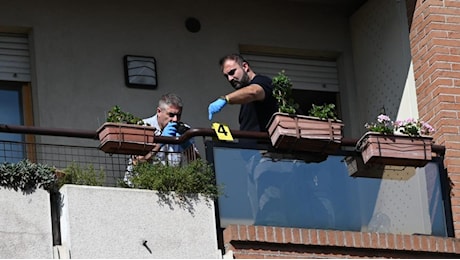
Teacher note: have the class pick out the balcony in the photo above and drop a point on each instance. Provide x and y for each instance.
(263, 187)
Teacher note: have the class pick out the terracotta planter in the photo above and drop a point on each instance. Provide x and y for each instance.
(126, 138)
(401, 150)
(304, 133)
(357, 168)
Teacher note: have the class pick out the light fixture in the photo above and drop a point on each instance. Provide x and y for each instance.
(140, 71)
(192, 24)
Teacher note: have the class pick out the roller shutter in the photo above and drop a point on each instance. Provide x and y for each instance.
(305, 74)
(14, 57)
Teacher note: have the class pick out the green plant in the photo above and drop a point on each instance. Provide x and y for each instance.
(282, 91)
(27, 176)
(326, 111)
(197, 177)
(75, 174)
(116, 115)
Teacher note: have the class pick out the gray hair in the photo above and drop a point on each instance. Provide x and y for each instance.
(170, 99)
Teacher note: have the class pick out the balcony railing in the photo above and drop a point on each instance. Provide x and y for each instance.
(264, 187)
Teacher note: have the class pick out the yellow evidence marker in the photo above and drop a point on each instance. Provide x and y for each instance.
(222, 131)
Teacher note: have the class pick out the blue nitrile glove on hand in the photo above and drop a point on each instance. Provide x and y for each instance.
(170, 129)
(216, 106)
(185, 144)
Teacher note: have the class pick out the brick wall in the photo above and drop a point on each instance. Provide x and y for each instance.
(246, 241)
(435, 46)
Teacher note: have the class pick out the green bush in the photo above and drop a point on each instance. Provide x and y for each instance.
(197, 177)
(75, 174)
(27, 176)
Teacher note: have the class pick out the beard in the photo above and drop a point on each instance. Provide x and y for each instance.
(243, 82)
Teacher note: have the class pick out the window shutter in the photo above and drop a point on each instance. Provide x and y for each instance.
(14, 57)
(305, 74)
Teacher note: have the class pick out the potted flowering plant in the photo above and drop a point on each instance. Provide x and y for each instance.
(403, 143)
(320, 131)
(124, 133)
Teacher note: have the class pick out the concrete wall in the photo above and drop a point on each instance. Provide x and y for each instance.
(25, 225)
(77, 49)
(101, 222)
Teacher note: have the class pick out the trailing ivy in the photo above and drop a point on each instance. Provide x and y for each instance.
(27, 176)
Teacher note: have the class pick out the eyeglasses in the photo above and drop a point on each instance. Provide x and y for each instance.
(230, 73)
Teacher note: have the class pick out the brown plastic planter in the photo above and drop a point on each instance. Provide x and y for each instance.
(399, 150)
(117, 138)
(304, 133)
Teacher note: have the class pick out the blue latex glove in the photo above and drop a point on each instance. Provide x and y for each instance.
(216, 106)
(185, 144)
(170, 129)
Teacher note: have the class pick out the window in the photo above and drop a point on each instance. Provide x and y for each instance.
(315, 80)
(15, 94)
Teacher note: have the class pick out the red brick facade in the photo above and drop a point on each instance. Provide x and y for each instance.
(278, 242)
(435, 45)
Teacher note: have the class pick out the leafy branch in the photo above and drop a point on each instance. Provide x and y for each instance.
(116, 115)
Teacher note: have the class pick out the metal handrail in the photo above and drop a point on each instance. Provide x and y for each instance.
(193, 132)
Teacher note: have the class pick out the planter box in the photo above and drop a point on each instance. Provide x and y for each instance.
(304, 133)
(126, 138)
(122, 223)
(357, 168)
(399, 150)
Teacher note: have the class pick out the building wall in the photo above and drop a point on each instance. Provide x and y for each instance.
(25, 224)
(78, 75)
(435, 46)
(138, 224)
(384, 80)
(251, 242)
(78, 48)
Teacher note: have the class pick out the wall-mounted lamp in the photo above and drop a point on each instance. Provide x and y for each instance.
(192, 24)
(140, 71)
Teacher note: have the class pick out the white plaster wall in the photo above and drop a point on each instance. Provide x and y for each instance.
(382, 59)
(384, 78)
(25, 225)
(102, 222)
(78, 48)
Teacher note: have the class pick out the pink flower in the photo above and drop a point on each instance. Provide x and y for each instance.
(383, 118)
(410, 126)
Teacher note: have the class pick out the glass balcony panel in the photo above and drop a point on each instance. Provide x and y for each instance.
(259, 190)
